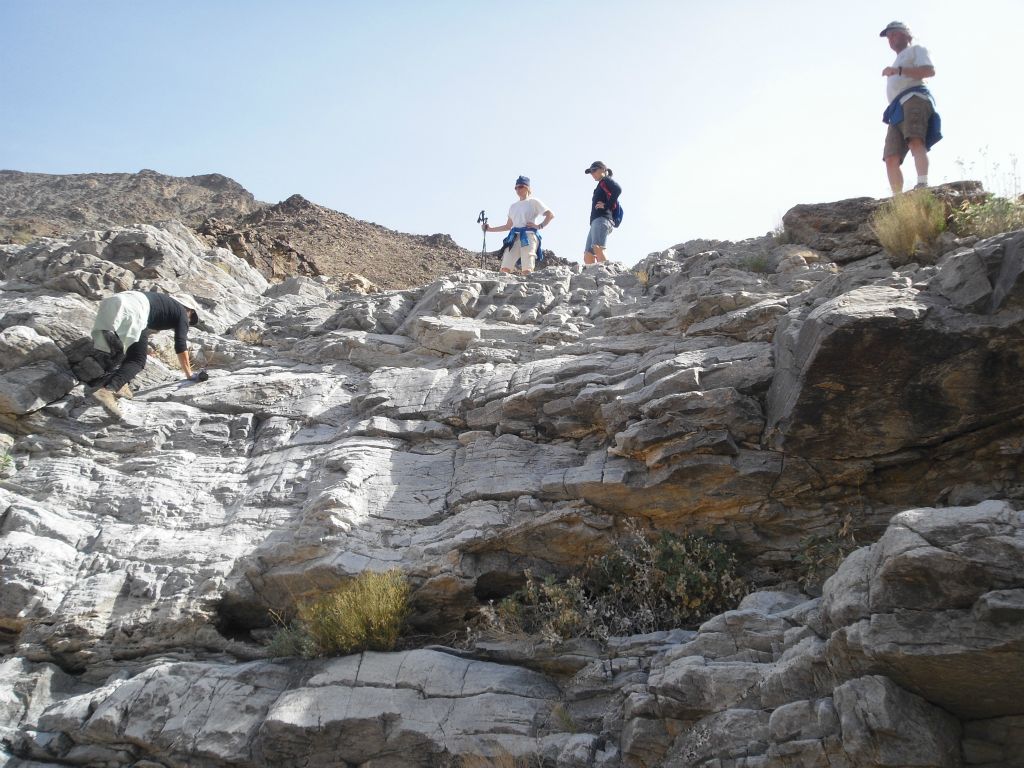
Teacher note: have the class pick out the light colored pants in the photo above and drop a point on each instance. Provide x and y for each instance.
(526, 255)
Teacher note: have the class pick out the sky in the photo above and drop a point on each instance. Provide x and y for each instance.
(715, 117)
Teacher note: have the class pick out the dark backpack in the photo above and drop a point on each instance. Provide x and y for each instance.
(617, 210)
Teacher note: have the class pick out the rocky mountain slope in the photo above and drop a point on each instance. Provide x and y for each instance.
(297, 237)
(51, 205)
(483, 424)
(294, 237)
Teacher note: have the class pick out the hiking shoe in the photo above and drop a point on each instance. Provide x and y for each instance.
(920, 186)
(106, 398)
(125, 392)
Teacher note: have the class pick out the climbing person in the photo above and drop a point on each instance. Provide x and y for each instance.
(122, 328)
(523, 241)
(602, 212)
(914, 125)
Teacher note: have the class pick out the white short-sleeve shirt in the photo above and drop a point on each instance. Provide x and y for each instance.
(911, 56)
(525, 212)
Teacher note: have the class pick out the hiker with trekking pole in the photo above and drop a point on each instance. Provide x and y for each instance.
(523, 243)
(605, 212)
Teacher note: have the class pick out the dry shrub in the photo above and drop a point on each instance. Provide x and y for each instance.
(645, 585)
(992, 216)
(364, 614)
(249, 335)
(907, 221)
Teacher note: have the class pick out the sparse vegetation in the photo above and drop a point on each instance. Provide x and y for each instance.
(249, 335)
(163, 351)
(1001, 179)
(820, 556)
(22, 236)
(6, 461)
(990, 217)
(781, 236)
(564, 719)
(366, 613)
(909, 221)
(1002, 210)
(758, 264)
(643, 586)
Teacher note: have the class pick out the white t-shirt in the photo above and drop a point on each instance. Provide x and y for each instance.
(911, 56)
(525, 212)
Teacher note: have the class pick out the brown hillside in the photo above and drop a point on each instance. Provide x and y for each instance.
(290, 238)
(48, 205)
(300, 237)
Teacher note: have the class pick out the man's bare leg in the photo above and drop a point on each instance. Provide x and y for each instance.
(892, 168)
(920, 153)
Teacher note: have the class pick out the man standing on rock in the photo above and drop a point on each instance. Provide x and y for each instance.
(913, 123)
(122, 329)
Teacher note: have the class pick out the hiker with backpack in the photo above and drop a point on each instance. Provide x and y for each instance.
(122, 328)
(605, 212)
(523, 241)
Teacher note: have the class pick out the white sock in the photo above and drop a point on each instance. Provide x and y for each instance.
(922, 180)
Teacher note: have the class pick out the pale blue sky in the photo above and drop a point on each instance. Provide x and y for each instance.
(415, 115)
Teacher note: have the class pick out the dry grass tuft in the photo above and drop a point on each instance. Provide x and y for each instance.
(364, 614)
(909, 221)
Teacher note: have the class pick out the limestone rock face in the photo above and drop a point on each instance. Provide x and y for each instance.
(769, 684)
(481, 425)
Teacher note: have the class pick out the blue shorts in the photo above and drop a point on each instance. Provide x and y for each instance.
(598, 235)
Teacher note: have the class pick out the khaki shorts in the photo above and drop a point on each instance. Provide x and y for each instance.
(526, 256)
(916, 112)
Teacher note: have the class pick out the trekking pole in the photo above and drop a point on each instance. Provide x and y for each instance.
(482, 219)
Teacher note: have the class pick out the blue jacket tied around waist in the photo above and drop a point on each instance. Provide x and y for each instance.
(893, 115)
(523, 240)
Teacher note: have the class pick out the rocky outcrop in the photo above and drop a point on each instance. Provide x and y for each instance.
(54, 205)
(843, 229)
(778, 682)
(484, 424)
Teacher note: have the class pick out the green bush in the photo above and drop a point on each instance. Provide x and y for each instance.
(364, 614)
(990, 217)
(906, 221)
(644, 586)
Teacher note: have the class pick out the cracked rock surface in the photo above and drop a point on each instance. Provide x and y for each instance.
(483, 424)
